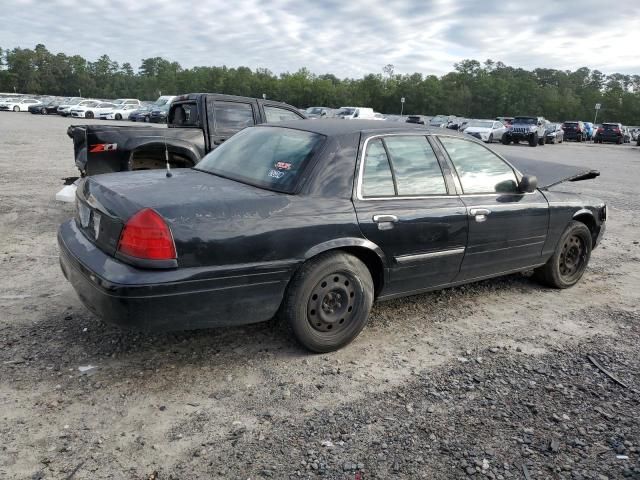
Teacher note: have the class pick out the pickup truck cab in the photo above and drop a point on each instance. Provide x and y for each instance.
(197, 124)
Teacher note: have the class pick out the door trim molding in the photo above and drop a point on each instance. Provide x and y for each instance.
(427, 256)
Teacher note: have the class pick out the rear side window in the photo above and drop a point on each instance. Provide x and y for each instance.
(479, 169)
(377, 179)
(415, 166)
(402, 166)
(231, 117)
(277, 114)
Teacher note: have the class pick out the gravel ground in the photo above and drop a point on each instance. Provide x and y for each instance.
(490, 380)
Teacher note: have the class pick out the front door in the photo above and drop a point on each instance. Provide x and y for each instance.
(407, 207)
(507, 229)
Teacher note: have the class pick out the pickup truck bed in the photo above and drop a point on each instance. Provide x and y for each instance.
(197, 123)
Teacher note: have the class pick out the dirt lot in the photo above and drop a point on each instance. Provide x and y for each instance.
(490, 380)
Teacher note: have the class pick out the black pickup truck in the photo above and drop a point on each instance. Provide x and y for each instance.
(197, 123)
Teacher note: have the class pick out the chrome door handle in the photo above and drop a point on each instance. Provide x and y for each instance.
(385, 218)
(479, 213)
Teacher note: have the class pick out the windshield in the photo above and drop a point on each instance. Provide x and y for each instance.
(526, 120)
(314, 110)
(267, 157)
(345, 111)
(481, 124)
(106, 105)
(161, 101)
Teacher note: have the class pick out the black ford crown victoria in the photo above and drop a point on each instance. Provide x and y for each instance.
(314, 221)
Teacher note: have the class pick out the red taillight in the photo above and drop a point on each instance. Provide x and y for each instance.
(600, 130)
(617, 130)
(146, 235)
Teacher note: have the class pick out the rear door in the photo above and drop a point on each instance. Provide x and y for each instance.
(407, 205)
(227, 117)
(507, 229)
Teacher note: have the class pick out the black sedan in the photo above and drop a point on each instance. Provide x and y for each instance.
(313, 221)
(141, 115)
(49, 108)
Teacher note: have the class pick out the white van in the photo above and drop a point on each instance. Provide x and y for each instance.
(351, 113)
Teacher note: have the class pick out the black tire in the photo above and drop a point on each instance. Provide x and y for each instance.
(118, 116)
(505, 140)
(327, 303)
(533, 140)
(44, 111)
(147, 119)
(569, 261)
(579, 138)
(490, 138)
(88, 114)
(542, 141)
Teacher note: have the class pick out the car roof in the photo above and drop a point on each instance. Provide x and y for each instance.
(337, 127)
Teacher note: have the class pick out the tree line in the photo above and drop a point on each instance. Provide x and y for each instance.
(472, 89)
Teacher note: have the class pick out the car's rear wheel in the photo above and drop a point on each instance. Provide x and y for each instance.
(88, 115)
(569, 261)
(146, 119)
(16, 108)
(118, 116)
(44, 111)
(328, 301)
(490, 138)
(506, 140)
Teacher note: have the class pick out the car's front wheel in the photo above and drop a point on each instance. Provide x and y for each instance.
(16, 108)
(118, 116)
(328, 301)
(569, 261)
(533, 140)
(505, 139)
(88, 115)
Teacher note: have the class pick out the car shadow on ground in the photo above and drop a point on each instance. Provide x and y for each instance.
(74, 337)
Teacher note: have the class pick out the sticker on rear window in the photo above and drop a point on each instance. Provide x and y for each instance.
(283, 166)
(275, 173)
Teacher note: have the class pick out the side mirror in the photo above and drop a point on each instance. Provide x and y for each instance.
(528, 184)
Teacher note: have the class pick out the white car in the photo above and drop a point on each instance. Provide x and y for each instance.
(119, 112)
(19, 104)
(68, 104)
(486, 130)
(127, 101)
(91, 109)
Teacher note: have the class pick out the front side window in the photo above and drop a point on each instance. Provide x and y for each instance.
(479, 169)
(266, 157)
(231, 117)
(276, 114)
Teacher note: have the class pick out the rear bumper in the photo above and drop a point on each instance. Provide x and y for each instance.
(161, 300)
(573, 135)
(608, 138)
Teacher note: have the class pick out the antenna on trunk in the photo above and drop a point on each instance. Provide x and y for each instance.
(166, 157)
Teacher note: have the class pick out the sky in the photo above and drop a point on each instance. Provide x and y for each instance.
(348, 38)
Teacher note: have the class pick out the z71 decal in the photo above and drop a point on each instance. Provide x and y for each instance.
(103, 147)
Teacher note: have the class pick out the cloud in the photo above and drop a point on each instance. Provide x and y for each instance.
(348, 39)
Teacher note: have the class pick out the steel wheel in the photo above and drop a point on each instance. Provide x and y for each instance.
(331, 304)
(572, 258)
(328, 300)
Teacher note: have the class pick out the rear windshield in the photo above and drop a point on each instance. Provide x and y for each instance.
(266, 157)
(184, 115)
(571, 124)
(526, 120)
(610, 126)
